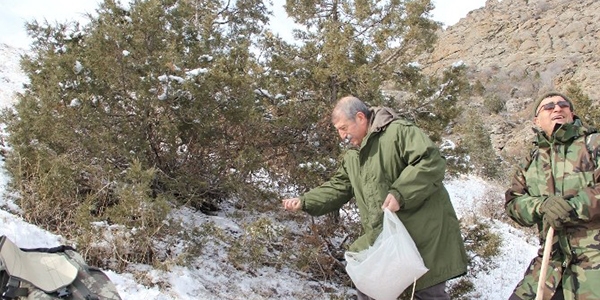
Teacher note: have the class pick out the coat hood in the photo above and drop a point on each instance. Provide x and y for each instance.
(381, 117)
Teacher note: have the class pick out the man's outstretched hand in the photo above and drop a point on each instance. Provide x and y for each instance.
(292, 204)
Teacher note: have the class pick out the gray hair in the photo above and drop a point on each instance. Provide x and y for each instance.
(348, 107)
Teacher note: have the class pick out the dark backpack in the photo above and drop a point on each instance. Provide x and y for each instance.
(50, 273)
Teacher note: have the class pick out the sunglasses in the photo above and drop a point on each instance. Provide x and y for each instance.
(552, 105)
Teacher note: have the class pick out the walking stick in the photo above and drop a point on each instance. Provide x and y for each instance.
(545, 259)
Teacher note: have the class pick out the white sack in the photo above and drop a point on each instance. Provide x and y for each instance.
(386, 269)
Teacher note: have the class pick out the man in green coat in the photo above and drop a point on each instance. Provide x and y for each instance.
(559, 186)
(393, 164)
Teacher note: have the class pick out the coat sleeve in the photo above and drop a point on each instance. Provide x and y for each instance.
(520, 206)
(586, 201)
(330, 196)
(425, 168)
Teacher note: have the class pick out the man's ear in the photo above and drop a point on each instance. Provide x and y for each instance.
(361, 117)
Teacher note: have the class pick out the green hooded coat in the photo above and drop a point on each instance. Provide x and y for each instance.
(397, 157)
(565, 164)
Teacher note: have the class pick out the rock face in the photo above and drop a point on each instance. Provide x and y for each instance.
(553, 40)
(518, 48)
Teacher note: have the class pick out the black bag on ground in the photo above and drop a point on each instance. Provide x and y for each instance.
(50, 273)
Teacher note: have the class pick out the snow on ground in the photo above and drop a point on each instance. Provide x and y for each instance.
(214, 279)
(518, 248)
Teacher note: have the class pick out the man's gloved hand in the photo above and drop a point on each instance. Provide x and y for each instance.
(556, 210)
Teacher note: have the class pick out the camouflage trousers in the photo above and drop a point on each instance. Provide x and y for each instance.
(557, 296)
(579, 281)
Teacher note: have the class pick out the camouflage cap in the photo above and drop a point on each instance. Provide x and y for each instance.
(548, 95)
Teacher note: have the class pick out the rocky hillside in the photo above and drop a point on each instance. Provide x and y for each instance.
(517, 48)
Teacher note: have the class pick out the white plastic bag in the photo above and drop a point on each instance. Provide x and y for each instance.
(386, 269)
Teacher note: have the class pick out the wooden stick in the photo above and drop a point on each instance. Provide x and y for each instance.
(545, 259)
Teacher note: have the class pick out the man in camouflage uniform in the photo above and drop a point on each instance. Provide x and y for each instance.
(559, 186)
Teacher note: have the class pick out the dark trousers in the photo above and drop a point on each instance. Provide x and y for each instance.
(436, 292)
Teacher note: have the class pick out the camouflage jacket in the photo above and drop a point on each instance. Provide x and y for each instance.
(566, 164)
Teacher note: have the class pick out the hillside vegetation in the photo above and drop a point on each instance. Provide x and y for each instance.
(169, 105)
